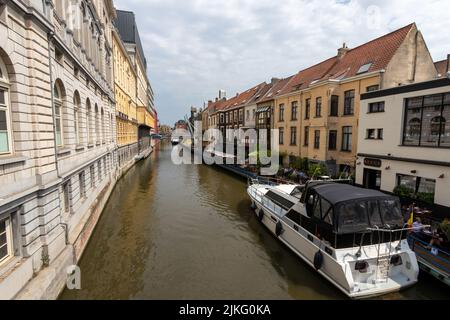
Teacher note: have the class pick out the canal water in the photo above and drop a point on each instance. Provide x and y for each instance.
(187, 232)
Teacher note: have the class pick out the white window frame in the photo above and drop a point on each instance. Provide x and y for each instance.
(59, 118)
(4, 85)
(9, 239)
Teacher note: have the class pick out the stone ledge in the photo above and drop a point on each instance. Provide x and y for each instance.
(63, 152)
(12, 159)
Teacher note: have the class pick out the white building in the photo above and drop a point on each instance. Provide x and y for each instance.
(57, 138)
(404, 141)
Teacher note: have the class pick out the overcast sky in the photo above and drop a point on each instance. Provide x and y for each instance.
(196, 47)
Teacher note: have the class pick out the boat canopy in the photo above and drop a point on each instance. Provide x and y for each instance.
(350, 209)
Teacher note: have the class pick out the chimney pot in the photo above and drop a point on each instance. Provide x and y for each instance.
(342, 51)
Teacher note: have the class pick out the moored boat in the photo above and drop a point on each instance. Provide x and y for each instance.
(353, 237)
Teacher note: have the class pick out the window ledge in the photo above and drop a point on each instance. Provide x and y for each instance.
(63, 152)
(348, 115)
(90, 145)
(11, 159)
(79, 148)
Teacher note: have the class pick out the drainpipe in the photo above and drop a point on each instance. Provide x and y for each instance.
(50, 37)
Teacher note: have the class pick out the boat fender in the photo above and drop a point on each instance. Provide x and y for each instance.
(318, 260)
(253, 206)
(279, 229)
(261, 215)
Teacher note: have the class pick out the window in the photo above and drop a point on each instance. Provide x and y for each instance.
(89, 132)
(76, 116)
(99, 165)
(294, 111)
(82, 181)
(307, 109)
(254, 114)
(349, 103)
(332, 141)
(293, 136)
(364, 68)
(221, 118)
(306, 142)
(317, 139)
(241, 115)
(281, 116)
(97, 127)
(373, 88)
(318, 107)
(248, 115)
(92, 174)
(334, 106)
(5, 133)
(66, 196)
(57, 95)
(281, 136)
(422, 188)
(376, 107)
(371, 134)
(426, 121)
(59, 56)
(6, 248)
(380, 134)
(347, 135)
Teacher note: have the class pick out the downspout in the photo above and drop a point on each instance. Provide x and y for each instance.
(50, 36)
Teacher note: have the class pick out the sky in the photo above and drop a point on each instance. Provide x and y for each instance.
(196, 47)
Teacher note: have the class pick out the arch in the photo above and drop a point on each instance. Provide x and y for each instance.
(59, 95)
(76, 116)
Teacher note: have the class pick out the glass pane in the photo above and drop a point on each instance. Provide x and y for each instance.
(58, 138)
(3, 252)
(2, 96)
(3, 239)
(413, 124)
(3, 124)
(353, 217)
(445, 135)
(374, 214)
(447, 98)
(435, 100)
(2, 226)
(391, 212)
(327, 212)
(4, 145)
(431, 126)
(414, 103)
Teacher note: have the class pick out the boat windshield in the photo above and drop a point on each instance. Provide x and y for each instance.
(358, 216)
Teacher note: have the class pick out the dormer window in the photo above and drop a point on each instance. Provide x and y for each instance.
(364, 68)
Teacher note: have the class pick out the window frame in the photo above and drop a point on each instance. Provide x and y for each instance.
(380, 107)
(9, 239)
(319, 107)
(293, 142)
(281, 113)
(6, 107)
(335, 108)
(308, 109)
(317, 139)
(347, 145)
(349, 102)
(59, 110)
(281, 136)
(330, 146)
(306, 138)
(294, 111)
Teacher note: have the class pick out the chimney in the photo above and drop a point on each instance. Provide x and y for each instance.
(237, 94)
(217, 99)
(273, 80)
(448, 63)
(342, 51)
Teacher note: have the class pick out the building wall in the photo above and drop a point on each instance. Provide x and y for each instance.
(392, 122)
(52, 187)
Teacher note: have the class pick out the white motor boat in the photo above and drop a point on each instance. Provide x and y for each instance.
(175, 141)
(353, 237)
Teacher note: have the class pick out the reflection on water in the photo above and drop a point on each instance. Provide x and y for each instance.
(186, 232)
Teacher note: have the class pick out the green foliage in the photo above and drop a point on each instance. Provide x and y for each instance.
(317, 170)
(445, 226)
(403, 191)
(425, 197)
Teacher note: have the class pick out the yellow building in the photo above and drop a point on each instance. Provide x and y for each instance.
(125, 93)
(317, 112)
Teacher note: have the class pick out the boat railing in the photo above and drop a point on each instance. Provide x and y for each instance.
(442, 256)
(267, 203)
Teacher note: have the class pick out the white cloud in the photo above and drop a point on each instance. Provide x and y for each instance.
(196, 47)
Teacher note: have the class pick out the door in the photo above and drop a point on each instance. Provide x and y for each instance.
(372, 179)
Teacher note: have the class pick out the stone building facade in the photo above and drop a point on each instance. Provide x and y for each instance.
(58, 147)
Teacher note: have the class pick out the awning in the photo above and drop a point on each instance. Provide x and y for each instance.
(263, 109)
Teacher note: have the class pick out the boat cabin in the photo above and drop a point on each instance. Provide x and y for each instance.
(347, 216)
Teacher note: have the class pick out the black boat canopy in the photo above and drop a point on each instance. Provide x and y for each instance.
(351, 209)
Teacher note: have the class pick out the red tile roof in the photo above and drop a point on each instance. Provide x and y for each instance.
(277, 86)
(242, 98)
(442, 67)
(376, 54)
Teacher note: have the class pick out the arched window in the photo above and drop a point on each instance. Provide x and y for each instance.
(76, 116)
(103, 126)
(97, 131)
(437, 126)
(89, 122)
(58, 97)
(5, 127)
